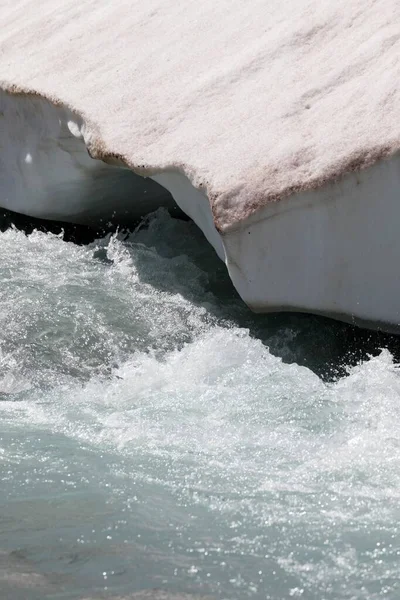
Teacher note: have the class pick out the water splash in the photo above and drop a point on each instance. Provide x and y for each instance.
(160, 440)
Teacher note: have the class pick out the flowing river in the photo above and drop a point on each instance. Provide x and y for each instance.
(154, 433)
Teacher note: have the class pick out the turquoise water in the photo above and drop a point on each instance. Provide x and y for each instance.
(156, 434)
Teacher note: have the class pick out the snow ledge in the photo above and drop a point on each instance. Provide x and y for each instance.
(332, 250)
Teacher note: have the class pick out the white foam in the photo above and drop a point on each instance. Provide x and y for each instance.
(271, 478)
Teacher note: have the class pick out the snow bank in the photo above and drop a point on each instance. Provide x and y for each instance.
(243, 111)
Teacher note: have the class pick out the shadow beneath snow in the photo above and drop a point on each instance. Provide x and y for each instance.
(71, 232)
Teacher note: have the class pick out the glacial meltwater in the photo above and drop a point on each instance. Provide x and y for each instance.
(154, 433)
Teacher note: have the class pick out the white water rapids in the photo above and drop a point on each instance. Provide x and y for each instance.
(151, 436)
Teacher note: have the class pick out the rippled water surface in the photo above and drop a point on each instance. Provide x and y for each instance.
(156, 434)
